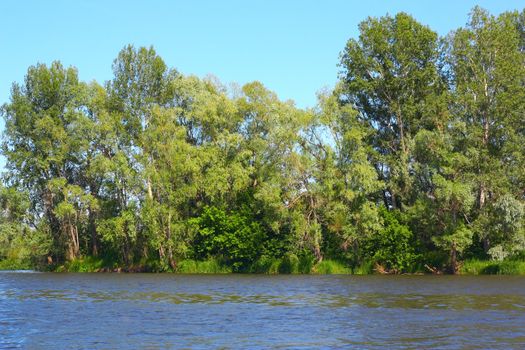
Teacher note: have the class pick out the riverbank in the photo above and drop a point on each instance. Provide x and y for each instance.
(270, 266)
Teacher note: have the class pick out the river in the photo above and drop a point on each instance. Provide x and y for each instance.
(159, 311)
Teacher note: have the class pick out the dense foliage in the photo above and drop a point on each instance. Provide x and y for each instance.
(417, 157)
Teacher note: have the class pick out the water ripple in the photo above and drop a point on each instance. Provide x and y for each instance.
(99, 311)
(367, 300)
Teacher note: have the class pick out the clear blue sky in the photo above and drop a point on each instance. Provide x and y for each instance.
(290, 46)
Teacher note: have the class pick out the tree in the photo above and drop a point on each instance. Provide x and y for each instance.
(487, 70)
(140, 85)
(72, 210)
(173, 168)
(446, 198)
(20, 245)
(44, 138)
(390, 75)
(341, 179)
(270, 131)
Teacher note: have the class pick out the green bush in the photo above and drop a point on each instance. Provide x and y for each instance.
(233, 237)
(10, 264)
(266, 264)
(289, 264)
(393, 246)
(21, 248)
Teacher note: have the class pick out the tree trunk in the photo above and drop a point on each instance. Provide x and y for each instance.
(161, 252)
(481, 196)
(393, 199)
(317, 253)
(150, 190)
(385, 199)
(54, 224)
(127, 248)
(482, 193)
(402, 134)
(171, 261)
(73, 248)
(454, 266)
(94, 239)
(482, 190)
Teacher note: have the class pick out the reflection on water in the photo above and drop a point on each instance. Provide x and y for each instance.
(245, 311)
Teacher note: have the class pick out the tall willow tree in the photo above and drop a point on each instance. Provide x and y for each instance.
(390, 75)
(270, 130)
(188, 162)
(341, 180)
(139, 86)
(45, 143)
(112, 177)
(487, 68)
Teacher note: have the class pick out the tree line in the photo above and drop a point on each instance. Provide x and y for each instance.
(416, 157)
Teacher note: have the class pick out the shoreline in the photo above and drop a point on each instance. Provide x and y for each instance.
(471, 267)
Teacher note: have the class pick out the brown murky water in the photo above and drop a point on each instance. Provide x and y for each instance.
(158, 311)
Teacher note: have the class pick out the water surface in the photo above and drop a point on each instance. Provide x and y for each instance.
(158, 311)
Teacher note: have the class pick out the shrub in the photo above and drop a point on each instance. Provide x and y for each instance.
(266, 264)
(233, 237)
(289, 264)
(393, 246)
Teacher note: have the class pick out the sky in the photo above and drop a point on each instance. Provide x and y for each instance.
(292, 47)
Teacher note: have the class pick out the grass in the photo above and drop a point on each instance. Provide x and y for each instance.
(367, 268)
(490, 267)
(327, 267)
(208, 266)
(87, 264)
(289, 264)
